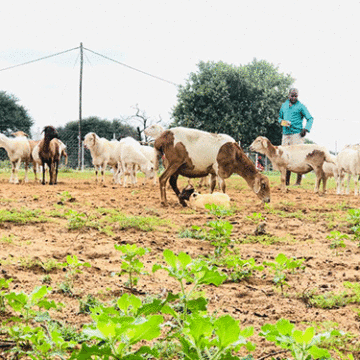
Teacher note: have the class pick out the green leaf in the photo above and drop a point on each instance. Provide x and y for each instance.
(227, 329)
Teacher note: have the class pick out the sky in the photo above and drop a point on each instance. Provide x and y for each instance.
(316, 42)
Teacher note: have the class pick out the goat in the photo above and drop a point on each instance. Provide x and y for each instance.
(332, 170)
(198, 201)
(103, 153)
(154, 131)
(348, 161)
(18, 151)
(36, 157)
(194, 153)
(150, 153)
(131, 157)
(49, 154)
(32, 144)
(299, 159)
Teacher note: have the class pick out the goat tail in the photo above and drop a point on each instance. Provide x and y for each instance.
(329, 158)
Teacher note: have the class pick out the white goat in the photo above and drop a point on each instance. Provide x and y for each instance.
(154, 131)
(299, 159)
(103, 153)
(198, 201)
(131, 157)
(18, 150)
(150, 153)
(348, 161)
(332, 170)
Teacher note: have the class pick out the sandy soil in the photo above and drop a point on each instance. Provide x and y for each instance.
(303, 226)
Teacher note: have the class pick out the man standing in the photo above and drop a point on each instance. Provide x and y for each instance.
(291, 115)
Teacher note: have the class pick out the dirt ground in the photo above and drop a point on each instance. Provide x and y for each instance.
(254, 301)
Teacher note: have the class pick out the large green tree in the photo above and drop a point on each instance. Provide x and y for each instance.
(13, 117)
(69, 134)
(241, 101)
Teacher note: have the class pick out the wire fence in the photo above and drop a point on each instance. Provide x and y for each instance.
(72, 149)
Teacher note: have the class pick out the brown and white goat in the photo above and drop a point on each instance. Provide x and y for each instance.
(194, 153)
(49, 153)
(299, 159)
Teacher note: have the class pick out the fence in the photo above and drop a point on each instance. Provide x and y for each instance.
(72, 148)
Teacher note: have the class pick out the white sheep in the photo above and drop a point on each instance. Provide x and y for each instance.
(332, 170)
(103, 153)
(198, 201)
(299, 159)
(348, 161)
(18, 150)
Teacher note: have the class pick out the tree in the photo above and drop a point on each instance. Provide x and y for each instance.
(144, 120)
(13, 117)
(69, 134)
(241, 101)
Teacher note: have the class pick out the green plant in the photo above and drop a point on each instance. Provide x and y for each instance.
(240, 269)
(131, 264)
(188, 271)
(24, 303)
(219, 235)
(256, 217)
(303, 345)
(118, 332)
(90, 302)
(65, 196)
(4, 284)
(72, 267)
(204, 337)
(280, 266)
(337, 240)
(8, 239)
(76, 220)
(218, 210)
(328, 300)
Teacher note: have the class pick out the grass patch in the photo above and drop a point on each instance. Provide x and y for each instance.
(266, 239)
(22, 216)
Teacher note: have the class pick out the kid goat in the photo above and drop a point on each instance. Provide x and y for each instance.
(299, 159)
(194, 153)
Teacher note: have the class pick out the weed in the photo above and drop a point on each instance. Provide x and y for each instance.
(8, 239)
(23, 216)
(131, 264)
(281, 265)
(4, 284)
(72, 266)
(256, 217)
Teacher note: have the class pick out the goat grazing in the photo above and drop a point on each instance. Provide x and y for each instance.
(195, 153)
(49, 153)
(18, 150)
(299, 159)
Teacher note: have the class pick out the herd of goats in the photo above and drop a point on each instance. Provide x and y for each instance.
(188, 152)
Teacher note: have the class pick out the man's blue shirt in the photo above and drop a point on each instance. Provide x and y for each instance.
(295, 114)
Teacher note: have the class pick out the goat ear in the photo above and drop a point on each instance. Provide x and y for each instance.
(264, 143)
(257, 185)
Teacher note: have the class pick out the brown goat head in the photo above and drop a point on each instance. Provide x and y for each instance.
(50, 133)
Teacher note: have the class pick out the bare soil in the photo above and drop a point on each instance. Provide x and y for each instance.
(254, 301)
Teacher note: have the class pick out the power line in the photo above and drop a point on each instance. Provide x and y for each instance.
(132, 68)
(45, 57)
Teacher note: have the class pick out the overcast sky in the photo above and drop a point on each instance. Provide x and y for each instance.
(317, 42)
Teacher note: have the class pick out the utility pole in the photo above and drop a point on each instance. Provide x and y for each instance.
(80, 107)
